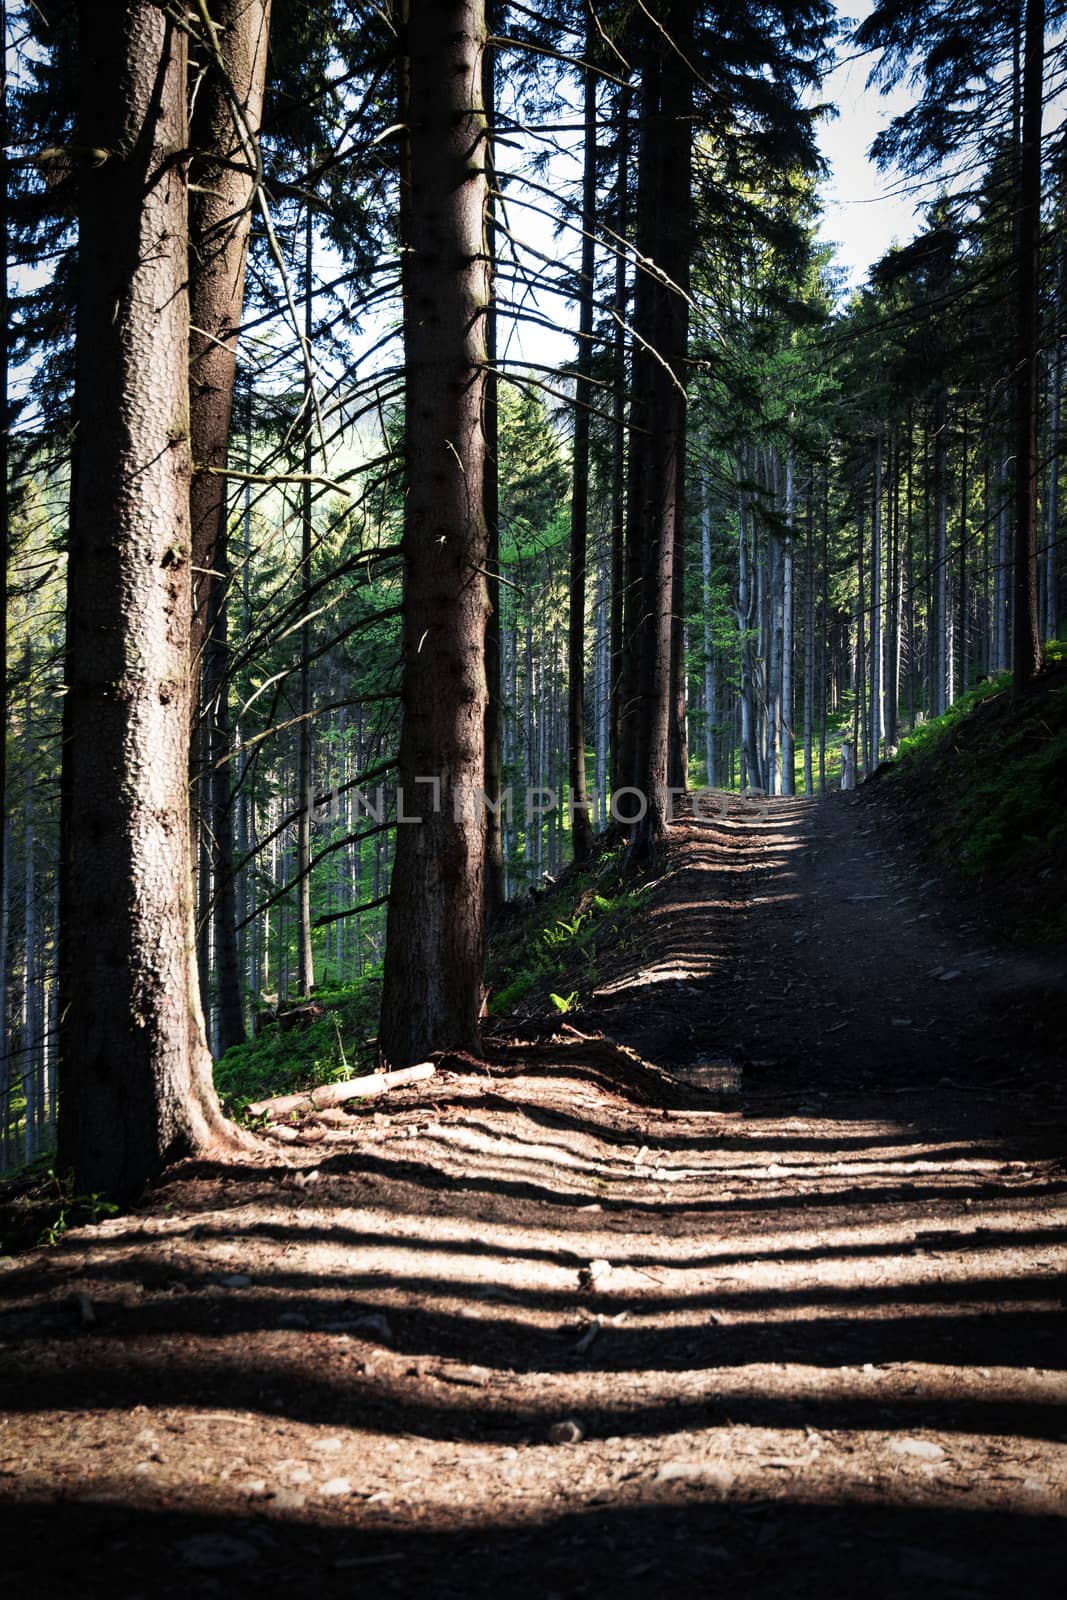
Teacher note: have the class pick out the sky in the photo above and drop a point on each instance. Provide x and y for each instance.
(864, 211)
(863, 215)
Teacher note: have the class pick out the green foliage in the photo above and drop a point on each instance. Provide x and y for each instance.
(72, 1209)
(989, 776)
(929, 736)
(559, 937)
(325, 1051)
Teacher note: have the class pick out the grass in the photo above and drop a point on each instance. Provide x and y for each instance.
(985, 783)
(548, 947)
(328, 1050)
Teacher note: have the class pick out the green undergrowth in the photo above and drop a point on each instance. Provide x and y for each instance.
(545, 952)
(543, 955)
(329, 1049)
(985, 783)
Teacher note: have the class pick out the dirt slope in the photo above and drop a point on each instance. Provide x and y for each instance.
(575, 1330)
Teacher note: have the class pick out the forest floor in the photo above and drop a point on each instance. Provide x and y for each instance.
(776, 1309)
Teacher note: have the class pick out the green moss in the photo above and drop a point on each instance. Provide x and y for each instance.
(334, 1047)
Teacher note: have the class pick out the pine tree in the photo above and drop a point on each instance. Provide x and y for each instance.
(433, 969)
(135, 1072)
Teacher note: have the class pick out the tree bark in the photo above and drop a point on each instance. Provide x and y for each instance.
(1026, 649)
(436, 920)
(305, 961)
(135, 1072)
(876, 611)
(581, 827)
(667, 155)
(709, 641)
(619, 775)
(223, 135)
(788, 740)
(494, 755)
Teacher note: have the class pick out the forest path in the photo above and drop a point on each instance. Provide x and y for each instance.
(576, 1330)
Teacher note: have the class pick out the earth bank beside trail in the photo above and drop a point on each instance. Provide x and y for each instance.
(779, 1312)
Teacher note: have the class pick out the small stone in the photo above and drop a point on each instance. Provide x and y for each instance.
(568, 1431)
(327, 1446)
(336, 1486)
(235, 1280)
(596, 1272)
(288, 1500)
(292, 1319)
(925, 1449)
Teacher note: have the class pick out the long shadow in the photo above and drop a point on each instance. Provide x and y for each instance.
(658, 1139)
(341, 1236)
(655, 1541)
(992, 1334)
(350, 1392)
(249, 1309)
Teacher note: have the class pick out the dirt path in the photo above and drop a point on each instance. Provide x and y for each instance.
(547, 1335)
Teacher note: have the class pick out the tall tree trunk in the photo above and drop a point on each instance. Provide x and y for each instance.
(824, 627)
(619, 774)
(581, 827)
(639, 423)
(963, 624)
(668, 154)
(135, 1071)
(1052, 509)
(809, 636)
(788, 741)
(709, 642)
(30, 1060)
(861, 720)
(941, 624)
(224, 133)
(678, 738)
(1026, 650)
(305, 966)
(5, 561)
(433, 966)
(744, 613)
(876, 611)
(892, 713)
(494, 720)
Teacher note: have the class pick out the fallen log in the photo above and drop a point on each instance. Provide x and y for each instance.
(335, 1094)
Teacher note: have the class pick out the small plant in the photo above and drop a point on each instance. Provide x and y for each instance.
(73, 1208)
(564, 1002)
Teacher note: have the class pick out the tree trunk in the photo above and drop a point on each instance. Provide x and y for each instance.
(876, 611)
(305, 966)
(433, 967)
(5, 562)
(809, 637)
(749, 747)
(135, 1072)
(225, 128)
(1052, 515)
(619, 776)
(942, 650)
(667, 154)
(1026, 650)
(581, 827)
(788, 740)
(709, 643)
(494, 755)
